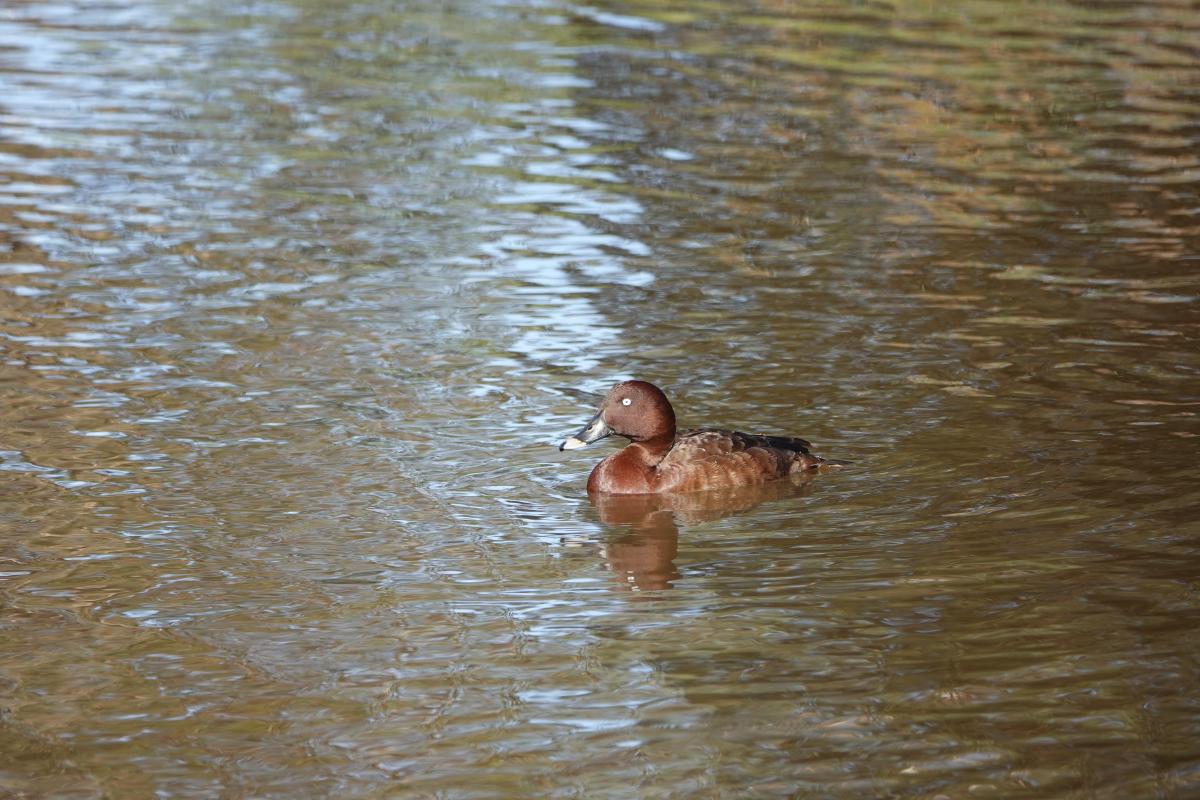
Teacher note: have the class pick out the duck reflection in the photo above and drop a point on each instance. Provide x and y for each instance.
(643, 541)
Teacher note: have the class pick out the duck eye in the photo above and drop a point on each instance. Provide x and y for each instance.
(625, 401)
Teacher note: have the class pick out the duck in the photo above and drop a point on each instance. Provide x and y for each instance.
(660, 459)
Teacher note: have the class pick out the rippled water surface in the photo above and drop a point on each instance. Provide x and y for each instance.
(292, 296)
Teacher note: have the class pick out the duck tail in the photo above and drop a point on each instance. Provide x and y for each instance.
(810, 462)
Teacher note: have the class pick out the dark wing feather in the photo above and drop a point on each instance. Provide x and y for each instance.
(707, 458)
(721, 441)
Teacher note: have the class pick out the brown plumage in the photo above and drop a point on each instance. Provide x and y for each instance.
(660, 459)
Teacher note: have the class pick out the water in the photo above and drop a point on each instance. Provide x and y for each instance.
(289, 296)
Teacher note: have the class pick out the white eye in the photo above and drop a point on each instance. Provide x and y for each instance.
(625, 401)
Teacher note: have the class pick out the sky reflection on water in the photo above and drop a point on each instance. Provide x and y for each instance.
(289, 296)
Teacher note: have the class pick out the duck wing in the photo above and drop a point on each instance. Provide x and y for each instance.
(715, 442)
(709, 458)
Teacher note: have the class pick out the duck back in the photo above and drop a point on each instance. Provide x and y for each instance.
(711, 458)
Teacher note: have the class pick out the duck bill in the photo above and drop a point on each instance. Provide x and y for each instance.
(594, 431)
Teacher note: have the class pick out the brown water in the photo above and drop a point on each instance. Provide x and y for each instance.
(288, 291)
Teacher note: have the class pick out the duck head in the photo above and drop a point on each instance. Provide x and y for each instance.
(637, 410)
